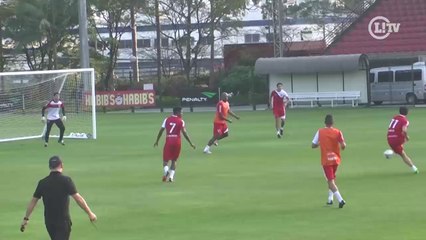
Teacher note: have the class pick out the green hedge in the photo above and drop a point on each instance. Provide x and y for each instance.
(168, 101)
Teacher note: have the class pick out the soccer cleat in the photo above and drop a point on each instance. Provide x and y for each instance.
(281, 132)
(342, 203)
(330, 202)
(216, 143)
(278, 135)
(61, 142)
(207, 152)
(171, 180)
(165, 177)
(416, 172)
(45, 144)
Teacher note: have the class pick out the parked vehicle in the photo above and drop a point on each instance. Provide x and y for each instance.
(397, 84)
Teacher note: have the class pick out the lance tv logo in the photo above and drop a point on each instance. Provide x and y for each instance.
(381, 27)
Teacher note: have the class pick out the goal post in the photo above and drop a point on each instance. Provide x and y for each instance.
(23, 94)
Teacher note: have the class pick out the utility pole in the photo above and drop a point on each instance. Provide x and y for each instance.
(134, 60)
(277, 22)
(211, 42)
(84, 39)
(84, 43)
(158, 40)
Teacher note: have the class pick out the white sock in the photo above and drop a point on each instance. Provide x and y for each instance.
(281, 128)
(172, 174)
(166, 169)
(338, 196)
(278, 132)
(207, 148)
(330, 195)
(414, 168)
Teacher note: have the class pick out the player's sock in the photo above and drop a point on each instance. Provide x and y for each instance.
(414, 168)
(330, 196)
(172, 175)
(165, 173)
(338, 196)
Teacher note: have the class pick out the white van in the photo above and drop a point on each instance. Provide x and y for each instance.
(398, 84)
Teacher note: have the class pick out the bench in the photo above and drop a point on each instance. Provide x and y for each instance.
(316, 97)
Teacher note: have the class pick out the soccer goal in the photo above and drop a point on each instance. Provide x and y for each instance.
(23, 94)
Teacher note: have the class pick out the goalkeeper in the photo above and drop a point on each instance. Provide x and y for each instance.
(53, 107)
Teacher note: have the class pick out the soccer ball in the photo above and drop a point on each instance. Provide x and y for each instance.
(388, 153)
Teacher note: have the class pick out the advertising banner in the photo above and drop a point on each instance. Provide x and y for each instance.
(196, 97)
(130, 98)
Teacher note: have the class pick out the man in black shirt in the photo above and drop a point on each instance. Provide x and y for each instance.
(55, 190)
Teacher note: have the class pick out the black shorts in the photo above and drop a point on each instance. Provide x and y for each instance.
(59, 231)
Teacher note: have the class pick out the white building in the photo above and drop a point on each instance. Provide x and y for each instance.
(251, 29)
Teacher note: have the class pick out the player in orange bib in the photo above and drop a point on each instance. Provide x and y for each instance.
(330, 140)
(220, 128)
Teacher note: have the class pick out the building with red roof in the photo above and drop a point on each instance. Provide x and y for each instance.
(390, 32)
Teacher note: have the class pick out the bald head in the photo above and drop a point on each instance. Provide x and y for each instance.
(224, 96)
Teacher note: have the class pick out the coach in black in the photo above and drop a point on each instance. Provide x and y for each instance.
(55, 190)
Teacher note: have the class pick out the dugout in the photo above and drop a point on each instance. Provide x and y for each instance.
(330, 73)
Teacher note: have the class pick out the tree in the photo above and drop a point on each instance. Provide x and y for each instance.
(7, 11)
(135, 6)
(220, 10)
(320, 12)
(41, 28)
(353, 6)
(115, 16)
(192, 28)
(247, 87)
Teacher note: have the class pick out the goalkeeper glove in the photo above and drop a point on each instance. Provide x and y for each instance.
(43, 119)
(64, 118)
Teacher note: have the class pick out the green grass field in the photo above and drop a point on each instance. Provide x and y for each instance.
(254, 186)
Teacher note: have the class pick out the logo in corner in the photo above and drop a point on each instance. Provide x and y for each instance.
(381, 27)
(209, 94)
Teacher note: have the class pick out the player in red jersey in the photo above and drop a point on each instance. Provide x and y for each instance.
(220, 129)
(397, 136)
(173, 125)
(330, 140)
(278, 102)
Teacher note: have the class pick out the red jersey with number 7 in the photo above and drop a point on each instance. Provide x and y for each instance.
(173, 126)
(396, 125)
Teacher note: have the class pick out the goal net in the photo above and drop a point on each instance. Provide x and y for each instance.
(23, 94)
